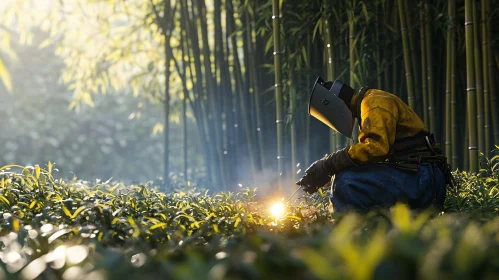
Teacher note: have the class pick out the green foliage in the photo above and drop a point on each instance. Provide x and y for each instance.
(478, 193)
(120, 133)
(53, 228)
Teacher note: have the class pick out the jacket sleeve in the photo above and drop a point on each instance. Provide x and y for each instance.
(379, 123)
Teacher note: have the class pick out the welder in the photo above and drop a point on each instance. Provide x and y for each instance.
(395, 159)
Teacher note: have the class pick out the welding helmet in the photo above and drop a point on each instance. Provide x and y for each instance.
(327, 105)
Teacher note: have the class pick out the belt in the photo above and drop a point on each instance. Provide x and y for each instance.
(410, 161)
(421, 140)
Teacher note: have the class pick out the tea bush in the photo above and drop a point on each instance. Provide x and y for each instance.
(53, 229)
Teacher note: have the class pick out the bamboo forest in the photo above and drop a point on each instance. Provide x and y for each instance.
(249, 139)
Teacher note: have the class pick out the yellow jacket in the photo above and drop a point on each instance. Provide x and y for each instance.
(385, 118)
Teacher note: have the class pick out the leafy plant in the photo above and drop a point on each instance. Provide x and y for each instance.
(53, 228)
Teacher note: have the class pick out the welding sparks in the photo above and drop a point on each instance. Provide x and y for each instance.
(277, 210)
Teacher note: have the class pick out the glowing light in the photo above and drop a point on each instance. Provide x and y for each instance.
(221, 255)
(138, 260)
(277, 209)
(77, 254)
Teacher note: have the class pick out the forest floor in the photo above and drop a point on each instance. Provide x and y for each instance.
(53, 229)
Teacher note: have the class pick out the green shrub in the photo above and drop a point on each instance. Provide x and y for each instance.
(53, 229)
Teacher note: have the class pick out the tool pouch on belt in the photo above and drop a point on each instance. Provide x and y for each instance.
(409, 153)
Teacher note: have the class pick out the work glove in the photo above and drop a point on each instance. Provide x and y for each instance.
(315, 177)
(320, 172)
(338, 161)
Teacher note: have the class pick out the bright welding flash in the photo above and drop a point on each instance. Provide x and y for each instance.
(277, 210)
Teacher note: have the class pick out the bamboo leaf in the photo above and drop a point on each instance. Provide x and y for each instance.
(66, 211)
(160, 225)
(37, 172)
(318, 26)
(5, 200)
(78, 211)
(16, 225)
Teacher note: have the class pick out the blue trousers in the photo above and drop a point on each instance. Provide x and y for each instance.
(363, 188)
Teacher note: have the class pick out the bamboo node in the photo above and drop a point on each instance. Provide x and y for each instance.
(448, 143)
(279, 121)
(277, 52)
(473, 148)
(276, 17)
(468, 23)
(280, 157)
(470, 89)
(278, 85)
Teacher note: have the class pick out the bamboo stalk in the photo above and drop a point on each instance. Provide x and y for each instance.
(256, 91)
(471, 90)
(466, 153)
(479, 87)
(223, 95)
(229, 110)
(166, 30)
(328, 36)
(412, 52)
(485, 59)
(422, 20)
(213, 116)
(386, 69)
(308, 118)
(186, 65)
(184, 43)
(378, 51)
(249, 99)
(278, 90)
(429, 72)
(196, 51)
(454, 132)
(407, 59)
(184, 108)
(341, 44)
(395, 69)
(293, 130)
(492, 81)
(448, 82)
(240, 86)
(352, 57)
(494, 93)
